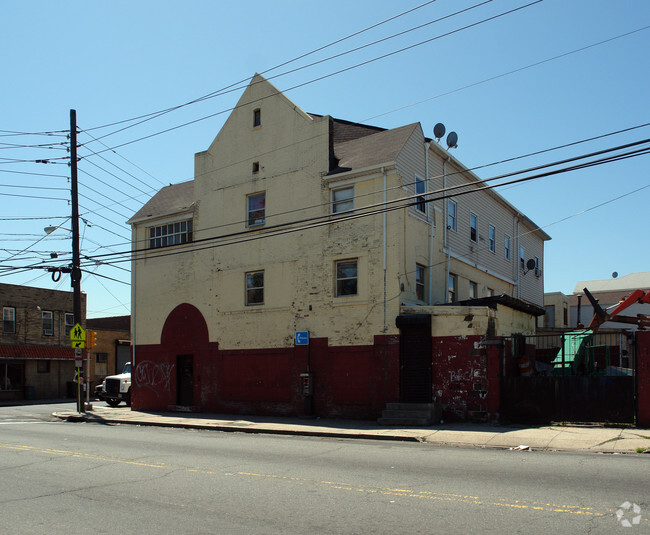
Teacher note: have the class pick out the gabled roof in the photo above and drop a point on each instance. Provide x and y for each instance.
(169, 200)
(373, 149)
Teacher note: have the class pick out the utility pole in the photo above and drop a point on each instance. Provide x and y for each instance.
(75, 273)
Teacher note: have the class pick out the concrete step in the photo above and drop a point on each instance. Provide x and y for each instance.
(411, 406)
(398, 422)
(410, 414)
(395, 413)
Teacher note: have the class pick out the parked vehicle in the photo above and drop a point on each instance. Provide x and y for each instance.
(99, 391)
(117, 388)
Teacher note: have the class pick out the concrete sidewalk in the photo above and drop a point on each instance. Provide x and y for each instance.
(571, 437)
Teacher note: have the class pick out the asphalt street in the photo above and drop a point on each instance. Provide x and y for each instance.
(62, 477)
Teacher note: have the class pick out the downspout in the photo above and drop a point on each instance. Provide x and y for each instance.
(431, 216)
(445, 211)
(383, 172)
(515, 256)
(134, 236)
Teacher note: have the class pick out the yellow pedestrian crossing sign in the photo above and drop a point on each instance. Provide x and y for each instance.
(78, 336)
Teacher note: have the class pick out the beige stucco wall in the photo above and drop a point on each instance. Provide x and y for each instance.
(299, 267)
(292, 150)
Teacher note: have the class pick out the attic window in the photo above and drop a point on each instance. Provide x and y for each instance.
(170, 234)
(257, 117)
(256, 167)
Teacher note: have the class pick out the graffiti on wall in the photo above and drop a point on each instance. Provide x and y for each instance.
(153, 374)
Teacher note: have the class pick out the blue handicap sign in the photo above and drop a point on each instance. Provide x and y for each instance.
(302, 338)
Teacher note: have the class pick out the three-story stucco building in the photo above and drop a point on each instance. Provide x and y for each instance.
(297, 222)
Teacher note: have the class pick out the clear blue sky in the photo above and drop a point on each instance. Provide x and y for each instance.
(117, 60)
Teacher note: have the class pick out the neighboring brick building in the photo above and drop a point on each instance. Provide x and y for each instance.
(113, 348)
(36, 357)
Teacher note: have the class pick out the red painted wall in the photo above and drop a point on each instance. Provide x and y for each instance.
(349, 382)
(643, 378)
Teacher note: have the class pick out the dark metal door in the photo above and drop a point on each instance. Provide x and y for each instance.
(415, 358)
(185, 380)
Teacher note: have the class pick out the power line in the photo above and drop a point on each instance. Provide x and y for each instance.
(297, 58)
(125, 159)
(355, 66)
(401, 203)
(35, 174)
(10, 133)
(110, 185)
(22, 186)
(496, 77)
(450, 174)
(33, 197)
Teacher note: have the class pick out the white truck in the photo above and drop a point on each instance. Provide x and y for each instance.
(117, 388)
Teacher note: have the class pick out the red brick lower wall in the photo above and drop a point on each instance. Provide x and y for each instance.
(643, 378)
(466, 377)
(349, 382)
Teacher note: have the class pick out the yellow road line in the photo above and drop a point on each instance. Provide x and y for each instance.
(408, 493)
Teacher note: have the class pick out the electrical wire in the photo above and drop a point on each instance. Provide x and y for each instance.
(502, 75)
(127, 160)
(382, 207)
(323, 77)
(110, 185)
(297, 58)
(35, 174)
(401, 186)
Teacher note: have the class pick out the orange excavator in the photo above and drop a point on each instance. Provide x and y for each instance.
(601, 316)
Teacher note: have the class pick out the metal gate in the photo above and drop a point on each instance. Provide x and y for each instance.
(575, 377)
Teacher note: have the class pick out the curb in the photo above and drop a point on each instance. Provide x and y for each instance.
(79, 418)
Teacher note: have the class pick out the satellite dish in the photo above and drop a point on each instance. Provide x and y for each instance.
(614, 275)
(439, 131)
(452, 140)
(530, 264)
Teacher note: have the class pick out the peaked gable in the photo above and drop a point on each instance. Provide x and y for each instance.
(260, 94)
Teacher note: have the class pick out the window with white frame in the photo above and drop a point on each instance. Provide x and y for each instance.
(170, 234)
(473, 290)
(492, 239)
(255, 288)
(342, 199)
(452, 210)
(473, 227)
(420, 189)
(347, 282)
(47, 322)
(8, 320)
(256, 209)
(69, 323)
(419, 282)
(506, 247)
(452, 288)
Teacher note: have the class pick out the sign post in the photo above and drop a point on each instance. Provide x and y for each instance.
(78, 342)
